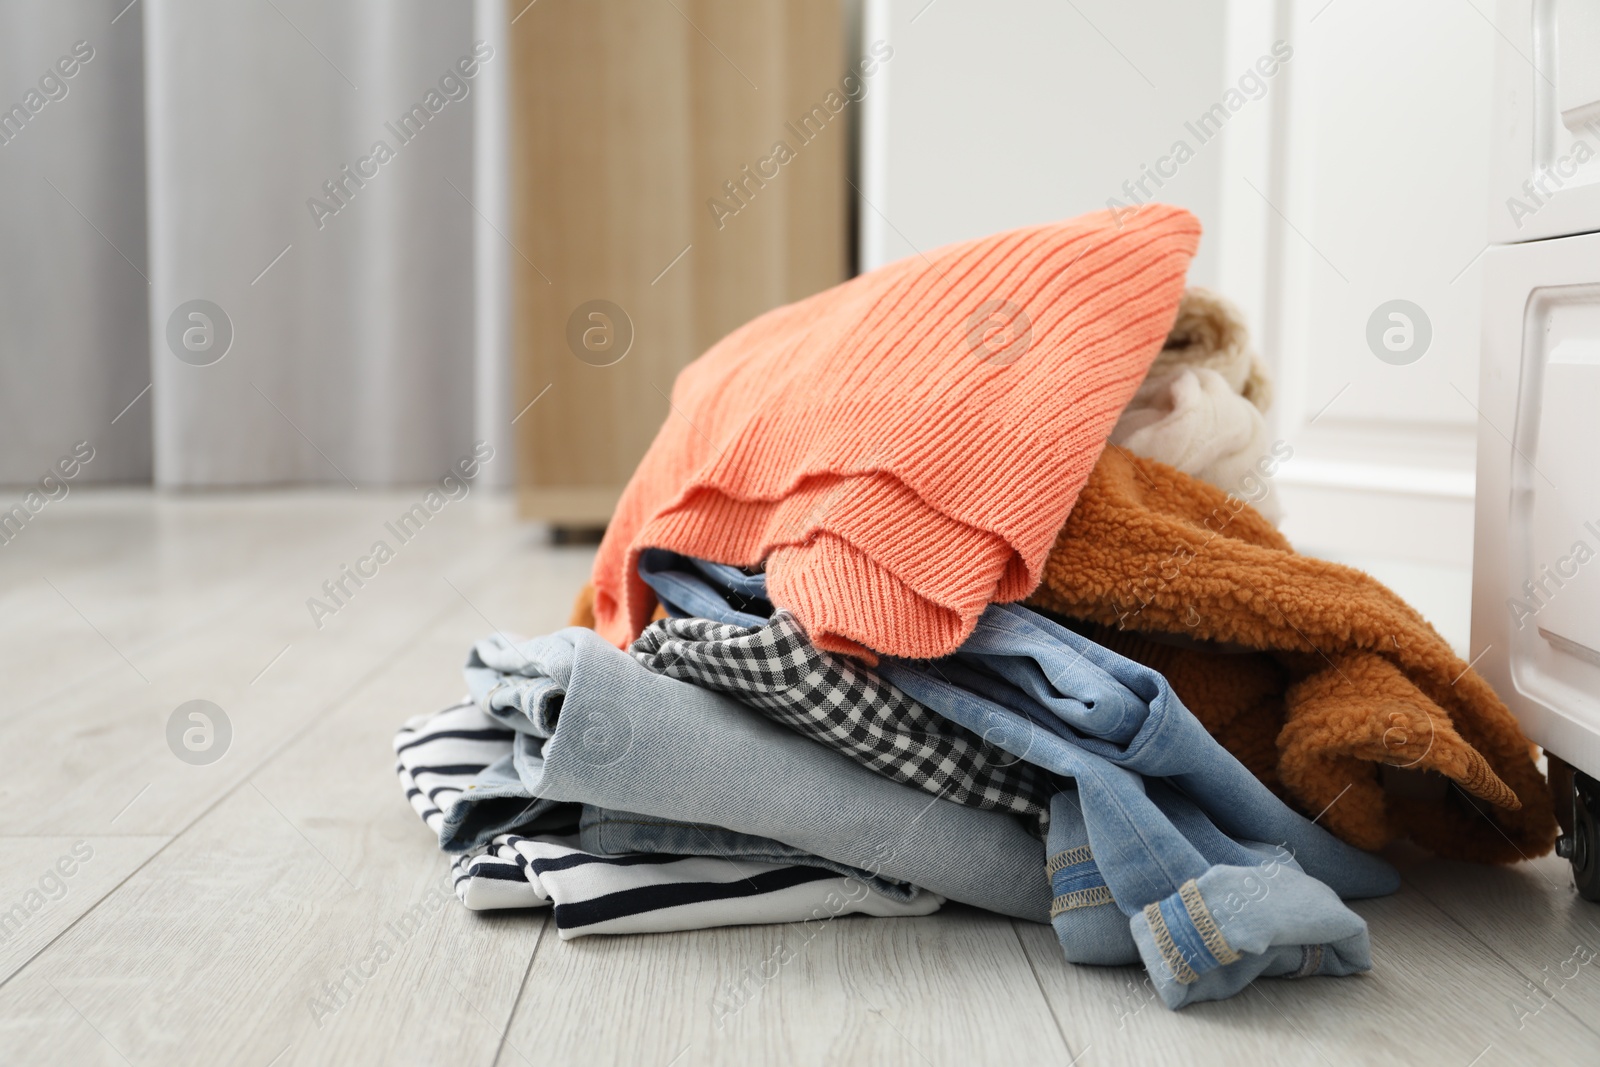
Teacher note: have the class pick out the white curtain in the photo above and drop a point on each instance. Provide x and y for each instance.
(73, 291)
(306, 309)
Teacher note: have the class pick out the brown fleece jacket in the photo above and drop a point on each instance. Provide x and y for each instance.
(583, 607)
(1328, 677)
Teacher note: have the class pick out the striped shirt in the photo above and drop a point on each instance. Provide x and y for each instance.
(439, 756)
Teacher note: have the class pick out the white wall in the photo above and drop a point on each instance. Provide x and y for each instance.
(999, 113)
(1380, 159)
(1358, 176)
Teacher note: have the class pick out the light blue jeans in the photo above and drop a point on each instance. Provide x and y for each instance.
(1163, 847)
(596, 727)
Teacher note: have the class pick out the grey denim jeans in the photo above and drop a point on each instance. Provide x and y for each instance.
(595, 727)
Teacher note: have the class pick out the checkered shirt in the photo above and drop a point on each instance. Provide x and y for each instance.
(839, 703)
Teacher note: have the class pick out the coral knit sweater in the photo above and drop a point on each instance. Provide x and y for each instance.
(900, 451)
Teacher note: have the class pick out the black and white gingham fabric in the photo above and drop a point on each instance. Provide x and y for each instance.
(838, 702)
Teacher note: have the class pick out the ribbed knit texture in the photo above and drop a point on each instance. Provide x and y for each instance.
(894, 480)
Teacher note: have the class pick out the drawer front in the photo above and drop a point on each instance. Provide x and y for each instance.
(1545, 159)
(1536, 576)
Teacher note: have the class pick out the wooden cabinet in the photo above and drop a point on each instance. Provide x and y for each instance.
(652, 214)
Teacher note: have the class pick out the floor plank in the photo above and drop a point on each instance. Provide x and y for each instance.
(1530, 916)
(953, 987)
(39, 1025)
(228, 951)
(221, 901)
(116, 772)
(1435, 995)
(227, 945)
(46, 883)
(119, 574)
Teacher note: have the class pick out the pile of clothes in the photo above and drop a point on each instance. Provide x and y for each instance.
(959, 582)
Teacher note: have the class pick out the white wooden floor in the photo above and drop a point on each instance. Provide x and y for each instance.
(217, 901)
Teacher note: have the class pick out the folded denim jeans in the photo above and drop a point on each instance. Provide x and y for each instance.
(1162, 822)
(740, 880)
(593, 726)
(1062, 702)
(764, 658)
(1091, 929)
(836, 702)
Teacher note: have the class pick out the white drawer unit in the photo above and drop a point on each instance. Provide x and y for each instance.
(1536, 550)
(1536, 580)
(1536, 565)
(1545, 146)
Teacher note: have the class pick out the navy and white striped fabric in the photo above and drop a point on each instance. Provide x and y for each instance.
(440, 755)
